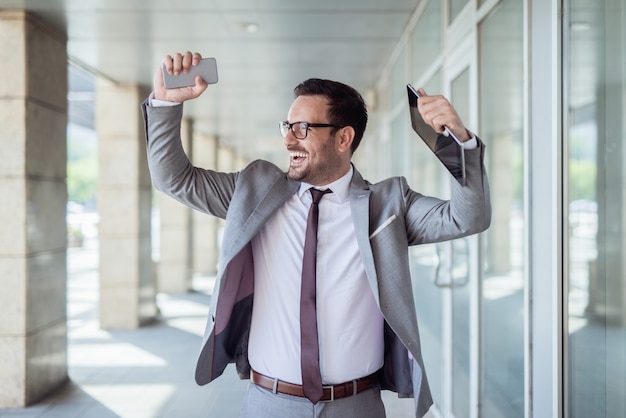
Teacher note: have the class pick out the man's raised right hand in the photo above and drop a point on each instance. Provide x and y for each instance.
(176, 64)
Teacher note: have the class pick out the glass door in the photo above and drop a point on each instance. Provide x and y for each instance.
(448, 312)
(471, 310)
(503, 275)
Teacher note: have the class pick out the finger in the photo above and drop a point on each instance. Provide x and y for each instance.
(435, 112)
(186, 62)
(167, 60)
(178, 63)
(159, 85)
(439, 123)
(195, 59)
(434, 105)
(200, 86)
(422, 92)
(158, 79)
(448, 118)
(200, 83)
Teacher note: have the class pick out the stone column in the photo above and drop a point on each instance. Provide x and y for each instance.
(225, 158)
(225, 162)
(33, 271)
(175, 261)
(127, 278)
(205, 253)
(241, 162)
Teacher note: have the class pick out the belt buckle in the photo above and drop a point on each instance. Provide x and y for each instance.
(332, 393)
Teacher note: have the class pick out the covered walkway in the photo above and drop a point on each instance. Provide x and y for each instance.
(147, 372)
(142, 373)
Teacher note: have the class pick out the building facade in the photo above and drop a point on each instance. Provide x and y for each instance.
(529, 318)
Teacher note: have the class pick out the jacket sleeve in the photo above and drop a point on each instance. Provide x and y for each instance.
(468, 211)
(171, 171)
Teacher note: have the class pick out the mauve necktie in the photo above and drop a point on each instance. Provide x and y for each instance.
(310, 352)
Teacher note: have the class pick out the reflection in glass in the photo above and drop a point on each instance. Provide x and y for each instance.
(595, 102)
(501, 127)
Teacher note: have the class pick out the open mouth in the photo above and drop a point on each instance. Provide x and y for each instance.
(297, 157)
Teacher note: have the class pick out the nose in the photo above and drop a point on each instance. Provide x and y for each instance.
(289, 139)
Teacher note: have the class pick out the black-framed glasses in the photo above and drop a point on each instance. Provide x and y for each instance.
(301, 129)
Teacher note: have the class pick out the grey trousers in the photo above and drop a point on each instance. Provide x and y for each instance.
(262, 403)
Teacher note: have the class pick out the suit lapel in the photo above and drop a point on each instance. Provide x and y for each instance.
(243, 232)
(359, 204)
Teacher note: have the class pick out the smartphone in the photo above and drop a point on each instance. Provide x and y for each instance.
(446, 131)
(446, 146)
(207, 69)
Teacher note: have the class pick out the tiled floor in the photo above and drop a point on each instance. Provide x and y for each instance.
(143, 373)
(146, 373)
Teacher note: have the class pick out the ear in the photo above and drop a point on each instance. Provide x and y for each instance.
(346, 136)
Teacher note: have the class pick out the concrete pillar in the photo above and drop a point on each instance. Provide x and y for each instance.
(225, 158)
(33, 271)
(241, 162)
(225, 162)
(175, 262)
(127, 278)
(205, 250)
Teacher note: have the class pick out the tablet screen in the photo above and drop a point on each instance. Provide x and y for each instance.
(447, 148)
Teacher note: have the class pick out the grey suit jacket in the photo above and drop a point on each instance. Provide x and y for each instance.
(388, 217)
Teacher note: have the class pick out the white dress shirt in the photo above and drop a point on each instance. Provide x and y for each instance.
(350, 324)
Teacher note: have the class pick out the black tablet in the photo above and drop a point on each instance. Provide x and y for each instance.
(446, 146)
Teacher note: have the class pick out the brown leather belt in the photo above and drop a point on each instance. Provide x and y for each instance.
(331, 393)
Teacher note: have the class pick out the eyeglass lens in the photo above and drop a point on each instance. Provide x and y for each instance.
(299, 129)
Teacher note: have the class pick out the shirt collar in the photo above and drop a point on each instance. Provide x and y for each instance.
(340, 187)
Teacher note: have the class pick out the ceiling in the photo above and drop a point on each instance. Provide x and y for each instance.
(124, 41)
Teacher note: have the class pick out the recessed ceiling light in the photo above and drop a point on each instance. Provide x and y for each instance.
(249, 27)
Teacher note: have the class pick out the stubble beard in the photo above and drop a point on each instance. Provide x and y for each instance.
(319, 174)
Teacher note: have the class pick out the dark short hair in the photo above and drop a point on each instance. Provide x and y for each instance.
(346, 106)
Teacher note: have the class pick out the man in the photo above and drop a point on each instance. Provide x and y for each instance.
(365, 334)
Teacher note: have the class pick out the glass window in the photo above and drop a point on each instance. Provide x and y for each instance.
(427, 37)
(455, 8)
(501, 128)
(398, 79)
(399, 144)
(595, 176)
